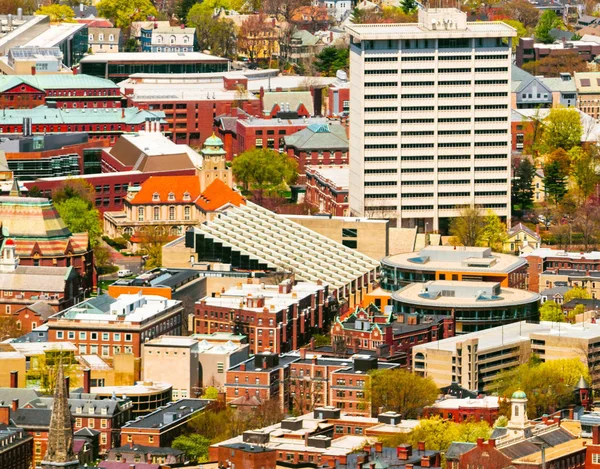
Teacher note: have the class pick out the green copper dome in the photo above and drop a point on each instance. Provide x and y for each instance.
(213, 141)
(519, 395)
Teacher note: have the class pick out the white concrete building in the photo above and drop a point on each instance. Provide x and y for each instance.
(430, 126)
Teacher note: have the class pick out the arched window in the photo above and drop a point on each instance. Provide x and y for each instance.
(140, 213)
(516, 411)
(185, 39)
(171, 196)
(159, 39)
(157, 213)
(172, 40)
(111, 37)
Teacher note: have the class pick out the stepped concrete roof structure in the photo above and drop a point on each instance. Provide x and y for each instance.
(273, 243)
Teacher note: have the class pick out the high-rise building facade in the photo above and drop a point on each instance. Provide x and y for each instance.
(430, 127)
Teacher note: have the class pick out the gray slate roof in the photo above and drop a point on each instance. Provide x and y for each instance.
(457, 449)
(319, 137)
(293, 98)
(38, 279)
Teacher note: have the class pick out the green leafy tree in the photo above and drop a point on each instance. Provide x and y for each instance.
(467, 229)
(548, 385)
(152, 240)
(555, 181)
(494, 233)
(550, 311)
(195, 447)
(210, 393)
(521, 31)
(522, 186)
(124, 12)
(332, 59)
(400, 391)
(562, 129)
(408, 6)
(74, 188)
(577, 293)
(264, 170)
(501, 421)
(583, 173)
(213, 34)
(57, 13)
(521, 10)
(183, 7)
(34, 192)
(548, 21)
(80, 217)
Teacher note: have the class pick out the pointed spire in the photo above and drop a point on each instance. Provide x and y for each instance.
(60, 435)
(15, 191)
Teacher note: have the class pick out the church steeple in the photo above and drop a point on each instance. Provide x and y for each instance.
(60, 435)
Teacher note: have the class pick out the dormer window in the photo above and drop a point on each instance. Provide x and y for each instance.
(171, 196)
(186, 196)
(156, 197)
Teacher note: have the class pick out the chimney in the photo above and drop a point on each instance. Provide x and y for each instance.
(408, 466)
(264, 363)
(491, 443)
(87, 374)
(367, 449)
(314, 360)
(14, 405)
(378, 446)
(421, 446)
(123, 113)
(67, 386)
(242, 367)
(302, 353)
(425, 462)
(404, 452)
(14, 379)
(596, 435)
(312, 343)
(33, 70)
(480, 442)
(5, 415)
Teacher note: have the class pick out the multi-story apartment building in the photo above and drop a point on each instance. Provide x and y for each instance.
(430, 128)
(474, 360)
(109, 326)
(275, 318)
(16, 445)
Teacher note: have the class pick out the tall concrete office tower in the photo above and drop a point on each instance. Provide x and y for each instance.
(430, 107)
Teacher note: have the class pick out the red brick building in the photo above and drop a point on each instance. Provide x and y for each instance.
(274, 318)
(16, 445)
(318, 145)
(67, 91)
(161, 427)
(462, 410)
(98, 123)
(31, 316)
(327, 189)
(339, 95)
(108, 326)
(191, 108)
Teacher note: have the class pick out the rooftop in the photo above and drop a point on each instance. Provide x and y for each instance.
(464, 295)
(460, 258)
(331, 136)
(45, 115)
(104, 309)
(152, 57)
(41, 280)
(140, 388)
(488, 402)
(515, 333)
(560, 253)
(55, 35)
(171, 413)
(55, 82)
(37, 348)
(171, 341)
(336, 176)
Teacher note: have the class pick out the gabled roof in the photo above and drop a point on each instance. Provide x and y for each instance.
(456, 450)
(293, 98)
(168, 190)
(319, 137)
(217, 195)
(521, 227)
(41, 308)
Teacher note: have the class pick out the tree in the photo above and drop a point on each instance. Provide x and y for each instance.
(11, 6)
(587, 221)
(577, 310)
(494, 232)
(554, 64)
(577, 293)
(81, 218)
(74, 187)
(57, 13)
(408, 6)
(548, 21)
(124, 12)
(548, 385)
(400, 391)
(257, 37)
(550, 311)
(34, 192)
(9, 328)
(562, 129)
(214, 34)
(523, 11)
(519, 27)
(467, 228)
(211, 393)
(555, 181)
(195, 447)
(183, 7)
(152, 240)
(583, 173)
(264, 169)
(522, 186)
(331, 59)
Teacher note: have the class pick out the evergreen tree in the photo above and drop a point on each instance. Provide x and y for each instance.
(183, 7)
(555, 181)
(408, 6)
(522, 187)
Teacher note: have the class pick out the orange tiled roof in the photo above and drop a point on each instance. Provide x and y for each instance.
(218, 194)
(165, 185)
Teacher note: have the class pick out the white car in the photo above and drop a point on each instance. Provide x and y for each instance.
(124, 273)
